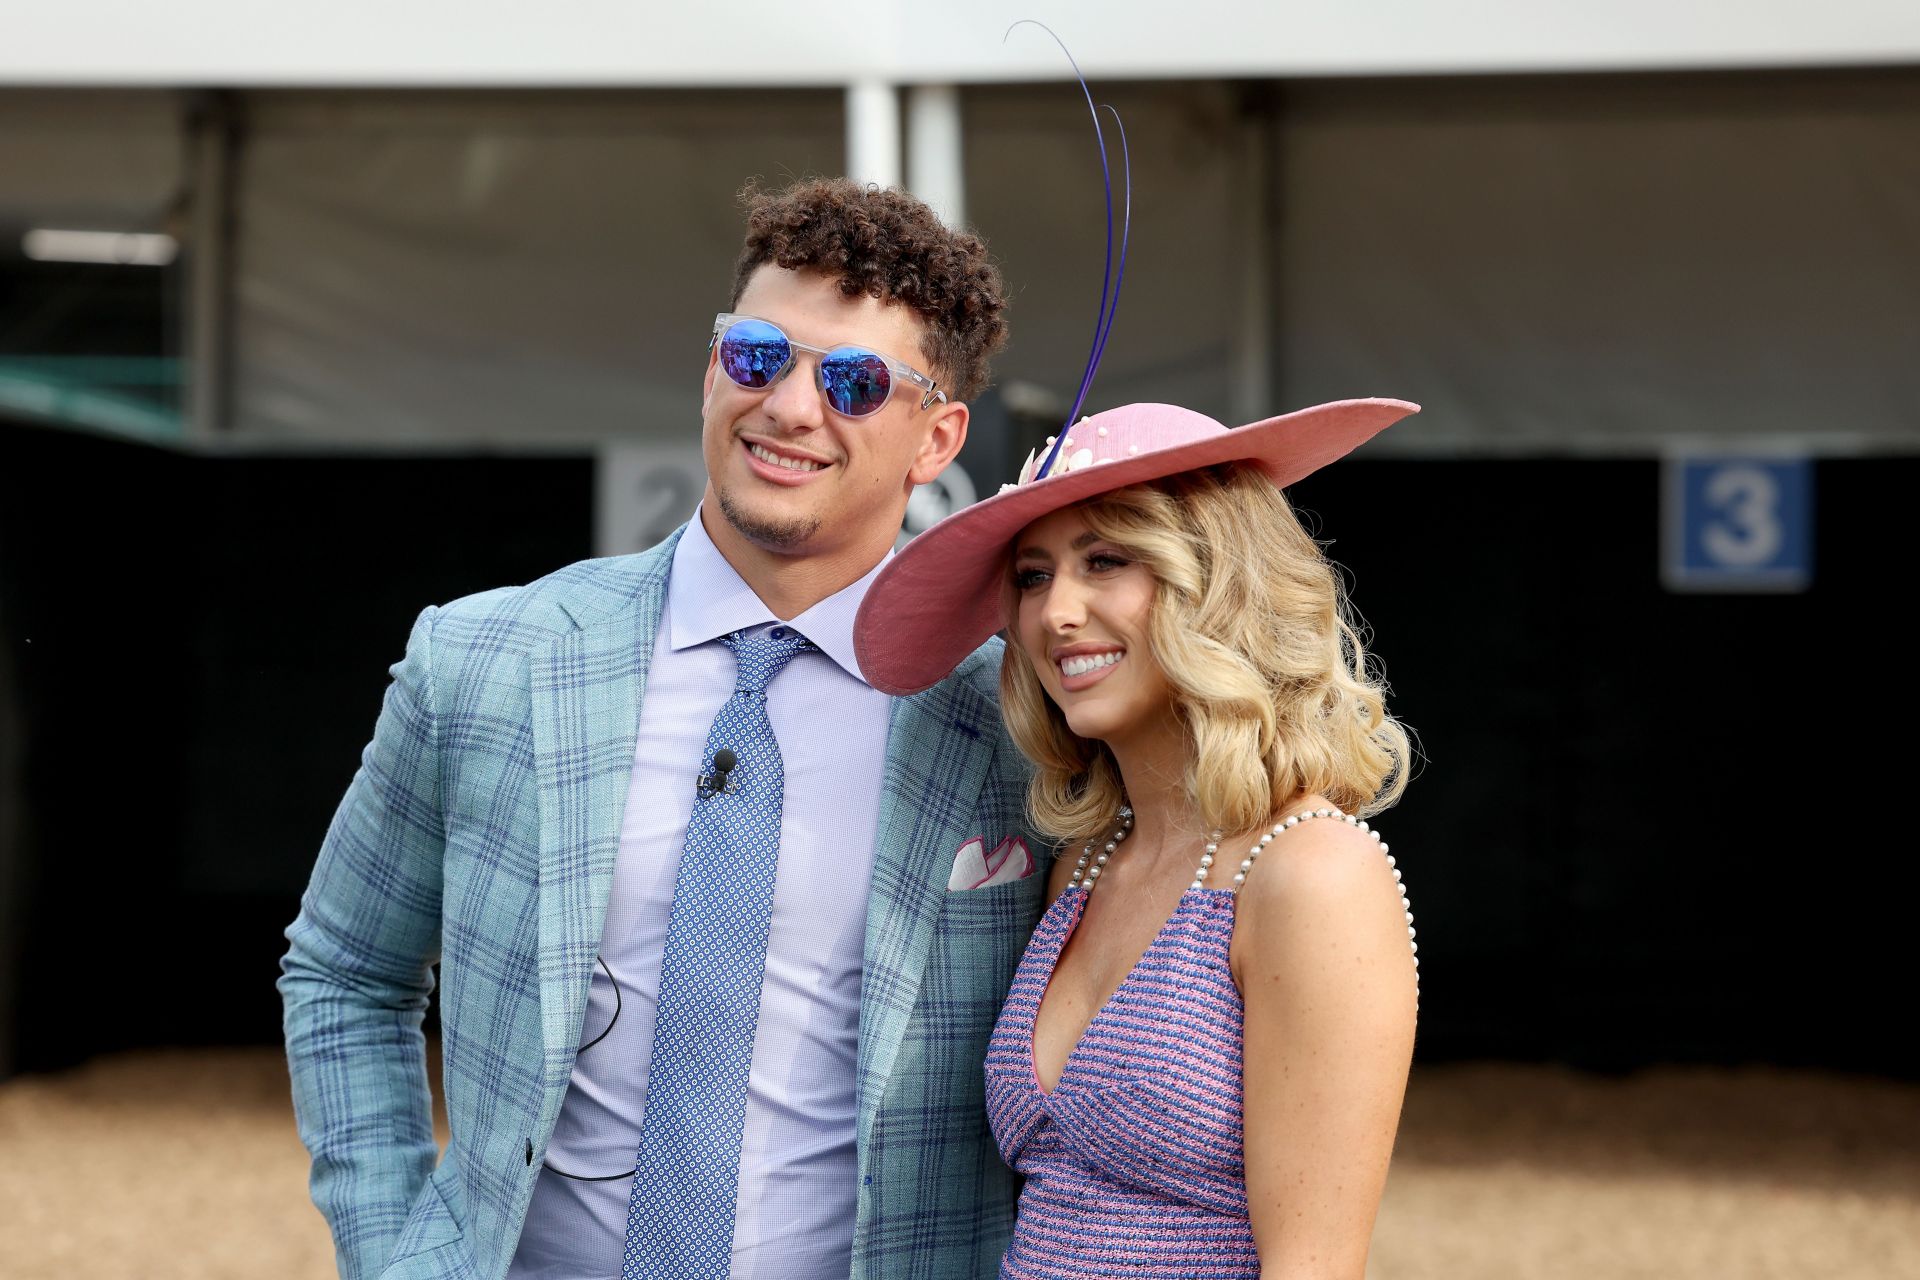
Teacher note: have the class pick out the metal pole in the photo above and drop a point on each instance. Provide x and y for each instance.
(936, 153)
(209, 258)
(873, 133)
(1251, 389)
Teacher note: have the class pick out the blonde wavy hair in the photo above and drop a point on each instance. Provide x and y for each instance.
(1251, 625)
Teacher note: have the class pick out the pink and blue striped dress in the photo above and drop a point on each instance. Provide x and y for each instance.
(1134, 1161)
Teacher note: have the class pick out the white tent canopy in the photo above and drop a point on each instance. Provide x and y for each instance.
(763, 43)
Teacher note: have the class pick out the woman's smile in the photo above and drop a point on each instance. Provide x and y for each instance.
(1082, 666)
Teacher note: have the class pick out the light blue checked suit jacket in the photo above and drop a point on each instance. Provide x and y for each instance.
(480, 833)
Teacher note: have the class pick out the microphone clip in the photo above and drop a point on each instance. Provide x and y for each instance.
(719, 782)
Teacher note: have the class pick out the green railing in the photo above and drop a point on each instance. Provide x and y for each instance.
(137, 396)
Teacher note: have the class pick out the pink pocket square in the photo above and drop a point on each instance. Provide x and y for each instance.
(975, 868)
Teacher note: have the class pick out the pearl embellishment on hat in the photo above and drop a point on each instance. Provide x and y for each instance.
(1066, 452)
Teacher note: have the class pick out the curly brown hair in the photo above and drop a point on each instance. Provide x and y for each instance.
(890, 246)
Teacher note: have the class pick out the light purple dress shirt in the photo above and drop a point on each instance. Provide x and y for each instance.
(795, 1212)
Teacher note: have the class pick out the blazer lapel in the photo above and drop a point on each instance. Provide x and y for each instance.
(939, 750)
(586, 689)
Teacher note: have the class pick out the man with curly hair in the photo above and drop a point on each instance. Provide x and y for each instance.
(721, 930)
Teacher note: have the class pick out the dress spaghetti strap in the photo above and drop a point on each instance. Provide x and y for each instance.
(1288, 824)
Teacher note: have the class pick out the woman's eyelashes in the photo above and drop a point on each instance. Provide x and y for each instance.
(1097, 562)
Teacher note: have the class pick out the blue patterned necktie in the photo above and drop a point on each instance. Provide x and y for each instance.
(686, 1179)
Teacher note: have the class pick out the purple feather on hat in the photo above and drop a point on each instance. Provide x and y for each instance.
(1112, 274)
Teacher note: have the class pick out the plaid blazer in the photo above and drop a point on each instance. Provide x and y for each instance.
(480, 833)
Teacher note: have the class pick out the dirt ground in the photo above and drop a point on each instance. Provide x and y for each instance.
(156, 1166)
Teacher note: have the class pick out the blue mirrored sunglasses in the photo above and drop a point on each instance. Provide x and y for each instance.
(856, 382)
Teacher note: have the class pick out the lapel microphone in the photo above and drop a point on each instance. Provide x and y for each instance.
(717, 782)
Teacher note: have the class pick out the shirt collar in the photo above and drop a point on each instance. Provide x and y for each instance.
(707, 598)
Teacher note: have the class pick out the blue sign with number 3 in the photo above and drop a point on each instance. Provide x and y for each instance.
(1738, 523)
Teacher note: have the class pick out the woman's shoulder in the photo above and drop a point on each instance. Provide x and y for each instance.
(1322, 908)
(1313, 857)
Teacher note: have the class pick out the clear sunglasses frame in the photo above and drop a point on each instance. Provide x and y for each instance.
(726, 320)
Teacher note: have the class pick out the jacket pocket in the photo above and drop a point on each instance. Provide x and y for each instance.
(431, 1227)
(1011, 907)
(979, 939)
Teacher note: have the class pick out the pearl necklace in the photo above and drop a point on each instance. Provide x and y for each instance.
(1084, 874)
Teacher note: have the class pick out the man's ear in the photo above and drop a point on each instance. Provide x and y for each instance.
(944, 439)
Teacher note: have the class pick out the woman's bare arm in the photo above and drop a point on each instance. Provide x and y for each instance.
(1322, 956)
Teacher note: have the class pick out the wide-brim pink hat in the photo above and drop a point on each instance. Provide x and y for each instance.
(939, 598)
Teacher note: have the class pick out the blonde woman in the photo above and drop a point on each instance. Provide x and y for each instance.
(1200, 1066)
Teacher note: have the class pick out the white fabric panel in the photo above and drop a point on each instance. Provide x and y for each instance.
(754, 42)
(1547, 264)
(539, 269)
(1577, 265)
(534, 269)
(88, 160)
